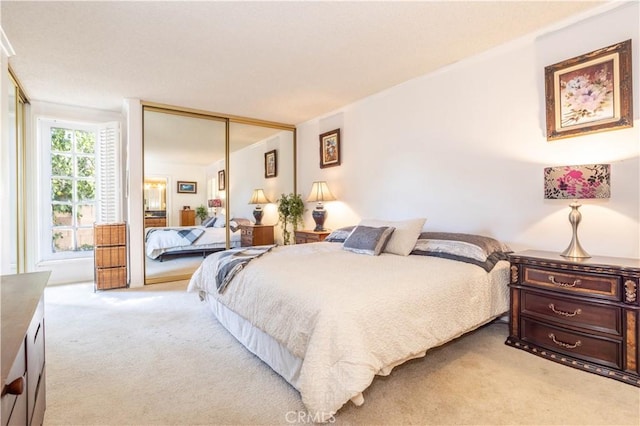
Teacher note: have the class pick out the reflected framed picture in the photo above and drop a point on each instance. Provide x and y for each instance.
(187, 187)
(330, 149)
(270, 164)
(589, 93)
(221, 180)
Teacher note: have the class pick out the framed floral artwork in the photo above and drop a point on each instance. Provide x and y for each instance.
(330, 149)
(589, 93)
(270, 164)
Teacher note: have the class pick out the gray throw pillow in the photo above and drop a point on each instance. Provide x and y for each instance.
(368, 240)
(339, 235)
(208, 222)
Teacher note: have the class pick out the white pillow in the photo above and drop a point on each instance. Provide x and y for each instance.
(404, 238)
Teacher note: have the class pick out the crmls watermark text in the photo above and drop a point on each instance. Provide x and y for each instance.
(292, 417)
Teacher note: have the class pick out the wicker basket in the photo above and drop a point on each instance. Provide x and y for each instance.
(111, 256)
(112, 234)
(108, 278)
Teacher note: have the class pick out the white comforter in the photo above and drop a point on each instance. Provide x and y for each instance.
(351, 316)
(161, 240)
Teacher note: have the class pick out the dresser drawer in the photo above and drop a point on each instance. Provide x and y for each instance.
(606, 352)
(606, 319)
(14, 402)
(593, 285)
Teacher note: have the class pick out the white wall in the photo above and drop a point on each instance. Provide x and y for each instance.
(465, 147)
(180, 172)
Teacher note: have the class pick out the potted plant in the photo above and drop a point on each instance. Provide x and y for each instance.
(290, 210)
(201, 212)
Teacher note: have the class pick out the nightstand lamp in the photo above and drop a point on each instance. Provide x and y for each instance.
(258, 198)
(577, 182)
(215, 203)
(320, 193)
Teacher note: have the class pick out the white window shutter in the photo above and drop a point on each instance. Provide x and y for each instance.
(108, 179)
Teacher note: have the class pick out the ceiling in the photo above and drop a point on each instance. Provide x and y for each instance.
(279, 61)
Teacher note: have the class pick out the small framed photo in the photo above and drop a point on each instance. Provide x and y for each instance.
(187, 187)
(221, 180)
(589, 93)
(270, 164)
(330, 149)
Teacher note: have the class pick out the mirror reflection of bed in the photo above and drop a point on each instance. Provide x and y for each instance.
(184, 154)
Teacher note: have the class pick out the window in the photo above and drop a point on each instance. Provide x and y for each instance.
(79, 166)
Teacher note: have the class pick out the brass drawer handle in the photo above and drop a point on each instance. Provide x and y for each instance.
(564, 345)
(561, 284)
(564, 313)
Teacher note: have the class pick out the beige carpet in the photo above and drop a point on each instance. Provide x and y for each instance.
(155, 356)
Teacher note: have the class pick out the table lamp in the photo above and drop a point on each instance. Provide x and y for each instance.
(577, 182)
(215, 203)
(258, 198)
(320, 193)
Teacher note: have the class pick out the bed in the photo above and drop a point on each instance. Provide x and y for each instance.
(329, 318)
(162, 243)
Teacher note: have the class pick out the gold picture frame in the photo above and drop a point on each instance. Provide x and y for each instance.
(187, 187)
(270, 164)
(330, 149)
(590, 93)
(221, 180)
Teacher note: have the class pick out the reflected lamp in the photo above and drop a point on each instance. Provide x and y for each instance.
(214, 203)
(258, 198)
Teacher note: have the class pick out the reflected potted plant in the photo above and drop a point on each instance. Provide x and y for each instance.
(290, 211)
(202, 213)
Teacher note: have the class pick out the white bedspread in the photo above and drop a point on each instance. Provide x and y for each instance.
(351, 316)
(161, 240)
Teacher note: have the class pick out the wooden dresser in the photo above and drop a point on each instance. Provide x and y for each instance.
(581, 313)
(303, 237)
(152, 221)
(256, 235)
(23, 399)
(187, 217)
(110, 256)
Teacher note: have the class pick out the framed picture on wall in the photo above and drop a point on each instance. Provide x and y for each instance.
(589, 93)
(221, 180)
(187, 187)
(270, 164)
(330, 149)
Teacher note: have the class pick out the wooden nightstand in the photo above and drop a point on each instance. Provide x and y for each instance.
(303, 237)
(583, 313)
(187, 217)
(256, 235)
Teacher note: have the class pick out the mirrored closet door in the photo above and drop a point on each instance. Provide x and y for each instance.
(200, 176)
(262, 168)
(179, 150)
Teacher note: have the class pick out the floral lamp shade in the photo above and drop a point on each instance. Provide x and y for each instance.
(215, 202)
(577, 182)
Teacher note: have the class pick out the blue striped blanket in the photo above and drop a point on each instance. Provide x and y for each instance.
(230, 262)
